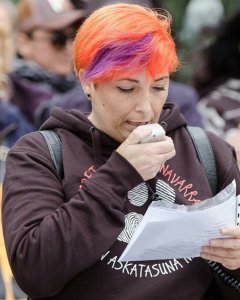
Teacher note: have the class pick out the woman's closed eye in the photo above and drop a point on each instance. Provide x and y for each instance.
(128, 90)
(159, 88)
(125, 90)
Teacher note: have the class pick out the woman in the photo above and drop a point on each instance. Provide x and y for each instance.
(64, 236)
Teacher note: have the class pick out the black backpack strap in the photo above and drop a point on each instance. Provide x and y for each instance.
(205, 154)
(207, 159)
(55, 148)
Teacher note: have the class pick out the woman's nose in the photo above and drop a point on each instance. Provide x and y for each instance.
(144, 103)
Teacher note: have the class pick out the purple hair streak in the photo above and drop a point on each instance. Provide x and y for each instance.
(130, 55)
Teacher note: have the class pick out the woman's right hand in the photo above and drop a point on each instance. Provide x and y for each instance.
(149, 157)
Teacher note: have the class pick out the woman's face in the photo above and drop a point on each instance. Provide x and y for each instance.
(118, 107)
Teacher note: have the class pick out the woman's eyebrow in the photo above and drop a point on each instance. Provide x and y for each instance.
(137, 81)
(161, 78)
(129, 79)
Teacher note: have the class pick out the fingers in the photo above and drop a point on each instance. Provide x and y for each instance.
(224, 250)
(229, 263)
(163, 146)
(228, 243)
(146, 158)
(231, 231)
(136, 135)
(229, 258)
(158, 152)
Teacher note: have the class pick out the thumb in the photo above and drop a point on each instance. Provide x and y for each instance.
(136, 135)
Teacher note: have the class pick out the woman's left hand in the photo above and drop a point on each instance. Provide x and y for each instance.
(225, 250)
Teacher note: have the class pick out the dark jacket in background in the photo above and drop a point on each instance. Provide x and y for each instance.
(186, 98)
(13, 125)
(32, 86)
(220, 108)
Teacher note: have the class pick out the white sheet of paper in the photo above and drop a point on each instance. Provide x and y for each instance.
(177, 231)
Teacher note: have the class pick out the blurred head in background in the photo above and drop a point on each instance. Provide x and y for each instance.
(7, 16)
(220, 59)
(93, 5)
(46, 29)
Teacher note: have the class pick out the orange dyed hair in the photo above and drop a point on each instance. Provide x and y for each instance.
(122, 39)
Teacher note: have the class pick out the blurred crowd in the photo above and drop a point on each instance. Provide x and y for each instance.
(36, 71)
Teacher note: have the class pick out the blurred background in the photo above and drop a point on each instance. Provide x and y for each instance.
(200, 13)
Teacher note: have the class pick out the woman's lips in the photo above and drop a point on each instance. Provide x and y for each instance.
(131, 125)
(137, 123)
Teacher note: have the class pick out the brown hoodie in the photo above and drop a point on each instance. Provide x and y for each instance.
(64, 237)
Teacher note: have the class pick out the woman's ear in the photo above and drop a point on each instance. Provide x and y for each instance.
(80, 75)
(86, 86)
(24, 45)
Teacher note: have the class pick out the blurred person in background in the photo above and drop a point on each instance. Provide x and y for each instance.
(12, 122)
(217, 79)
(196, 25)
(200, 14)
(43, 72)
(12, 126)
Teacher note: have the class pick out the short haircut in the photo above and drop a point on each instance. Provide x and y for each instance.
(120, 40)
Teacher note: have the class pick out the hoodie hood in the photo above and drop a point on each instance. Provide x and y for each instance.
(77, 122)
(172, 117)
(102, 144)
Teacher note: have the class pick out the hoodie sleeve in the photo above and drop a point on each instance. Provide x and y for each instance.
(50, 239)
(227, 171)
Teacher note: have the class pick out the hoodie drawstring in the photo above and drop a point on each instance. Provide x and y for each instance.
(96, 145)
